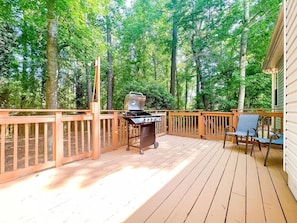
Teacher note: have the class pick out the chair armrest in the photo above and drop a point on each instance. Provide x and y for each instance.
(255, 130)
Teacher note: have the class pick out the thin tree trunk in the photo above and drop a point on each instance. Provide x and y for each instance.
(155, 66)
(109, 69)
(173, 50)
(178, 93)
(186, 94)
(52, 57)
(89, 85)
(243, 56)
(198, 73)
(79, 90)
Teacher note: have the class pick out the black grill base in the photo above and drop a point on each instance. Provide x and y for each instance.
(147, 136)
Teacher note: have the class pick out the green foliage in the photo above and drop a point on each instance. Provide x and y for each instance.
(13, 95)
(7, 43)
(207, 52)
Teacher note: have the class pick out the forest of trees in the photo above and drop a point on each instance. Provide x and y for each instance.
(181, 54)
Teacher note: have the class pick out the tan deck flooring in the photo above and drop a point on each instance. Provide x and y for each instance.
(184, 180)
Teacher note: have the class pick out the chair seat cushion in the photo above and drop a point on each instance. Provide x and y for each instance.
(278, 141)
(262, 140)
(240, 133)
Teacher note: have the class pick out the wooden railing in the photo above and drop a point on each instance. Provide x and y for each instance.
(33, 140)
(211, 125)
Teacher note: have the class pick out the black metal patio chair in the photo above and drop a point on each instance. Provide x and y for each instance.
(246, 127)
(275, 139)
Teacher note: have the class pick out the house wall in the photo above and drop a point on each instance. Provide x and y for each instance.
(280, 85)
(290, 109)
(278, 93)
(277, 86)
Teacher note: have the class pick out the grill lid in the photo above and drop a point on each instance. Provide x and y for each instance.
(134, 101)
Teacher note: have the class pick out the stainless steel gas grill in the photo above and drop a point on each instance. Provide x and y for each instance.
(137, 118)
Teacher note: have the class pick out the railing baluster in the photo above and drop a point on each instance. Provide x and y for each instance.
(69, 138)
(15, 147)
(36, 143)
(82, 136)
(45, 146)
(76, 137)
(2, 149)
(26, 145)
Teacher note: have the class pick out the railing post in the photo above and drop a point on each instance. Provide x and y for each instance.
(200, 124)
(262, 119)
(165, 126)
(170, 122)
(234, 117)
(58, 140)
(95, 129)
(2, 142)
(115, 136)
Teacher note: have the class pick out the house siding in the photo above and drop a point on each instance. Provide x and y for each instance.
(280, 85)
(278, 93)
(290, 147)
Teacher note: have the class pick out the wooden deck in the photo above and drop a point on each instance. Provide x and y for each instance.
(184, 180)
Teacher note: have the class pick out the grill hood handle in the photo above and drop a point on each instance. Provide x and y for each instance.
(136, 93)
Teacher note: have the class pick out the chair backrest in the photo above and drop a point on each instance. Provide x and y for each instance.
(247, 122)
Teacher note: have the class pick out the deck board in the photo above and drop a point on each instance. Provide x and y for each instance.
(202, 203)
(186, 204)
(272, 207)
(255, 211)
(219, 205)
(236, 211)
(184, 180)
(157, 209)
(279, 181)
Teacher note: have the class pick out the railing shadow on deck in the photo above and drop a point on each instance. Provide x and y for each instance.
(34, 140)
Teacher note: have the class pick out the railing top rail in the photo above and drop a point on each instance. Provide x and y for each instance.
(258, 110)
(216, 112)
(42, 110)
(267, 112)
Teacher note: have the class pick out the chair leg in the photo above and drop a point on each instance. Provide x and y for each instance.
(236, 139)
(224, 140)
(259, 144)
(266, 157)
(252, 150)
(246, 144)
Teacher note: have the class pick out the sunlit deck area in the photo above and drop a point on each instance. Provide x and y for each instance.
(183, 180)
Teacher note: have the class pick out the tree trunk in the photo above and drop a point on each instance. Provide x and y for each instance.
(89, 84)
(243, 56)
(79, 89)
(186, 94)
(198, 74)
(109, 69)
(178, 93)
(173, 49)
(155, 66)
(52, 57)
